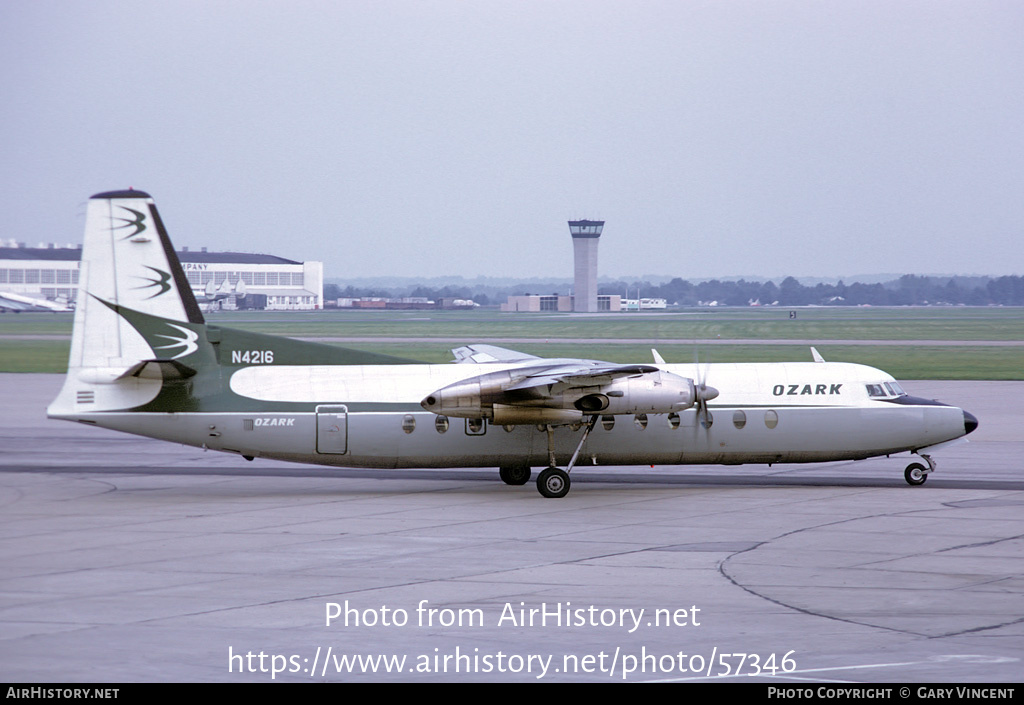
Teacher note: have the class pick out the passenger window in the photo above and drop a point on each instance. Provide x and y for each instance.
(771, 419)
(739, 419)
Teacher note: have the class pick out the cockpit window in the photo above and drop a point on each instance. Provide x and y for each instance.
(895, 389)
(885, 389)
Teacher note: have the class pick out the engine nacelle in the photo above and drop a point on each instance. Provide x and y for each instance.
(653, 393)
(472, 398)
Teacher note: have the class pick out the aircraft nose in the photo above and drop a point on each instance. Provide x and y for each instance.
(970, 422)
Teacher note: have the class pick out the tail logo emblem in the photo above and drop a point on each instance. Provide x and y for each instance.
(161, 282)
(135, 222)
(188, 342)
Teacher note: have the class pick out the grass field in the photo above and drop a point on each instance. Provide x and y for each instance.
(933, 323)
(957, 323)
(40, 342)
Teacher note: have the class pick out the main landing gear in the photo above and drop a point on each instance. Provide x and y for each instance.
(552, 482)
(515, 474)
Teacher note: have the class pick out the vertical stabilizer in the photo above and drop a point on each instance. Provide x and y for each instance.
(128, 262)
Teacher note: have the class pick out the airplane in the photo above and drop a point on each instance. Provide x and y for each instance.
(213, 294)
(9, 301)
(144, 361)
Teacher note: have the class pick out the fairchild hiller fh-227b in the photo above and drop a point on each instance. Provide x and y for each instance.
(144, 361)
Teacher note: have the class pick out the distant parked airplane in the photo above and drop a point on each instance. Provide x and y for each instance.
(17, 303)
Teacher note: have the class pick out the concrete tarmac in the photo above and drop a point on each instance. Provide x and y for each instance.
(124, 559)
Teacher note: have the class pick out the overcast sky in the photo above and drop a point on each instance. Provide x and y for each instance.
(716, 138)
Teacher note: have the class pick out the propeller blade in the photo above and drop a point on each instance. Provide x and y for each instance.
(703, 392)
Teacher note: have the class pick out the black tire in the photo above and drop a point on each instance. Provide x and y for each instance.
(915, 474)
(515, 474)
(553, 483)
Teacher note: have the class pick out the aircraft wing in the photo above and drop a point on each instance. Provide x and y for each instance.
(543, 372)
(571, 376)
(481, 353)
(561, 391)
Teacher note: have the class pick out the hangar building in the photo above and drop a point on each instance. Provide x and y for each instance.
(269, 282)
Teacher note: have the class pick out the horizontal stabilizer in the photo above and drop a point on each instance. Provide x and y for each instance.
(167, 370)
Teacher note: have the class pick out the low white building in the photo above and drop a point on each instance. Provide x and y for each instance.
(556, 302)
(643, 304)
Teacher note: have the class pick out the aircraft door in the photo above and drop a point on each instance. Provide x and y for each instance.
(332, 429)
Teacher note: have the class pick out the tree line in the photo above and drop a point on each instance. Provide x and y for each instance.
(908, 290)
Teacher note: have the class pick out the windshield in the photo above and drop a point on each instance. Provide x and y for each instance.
(883, 390)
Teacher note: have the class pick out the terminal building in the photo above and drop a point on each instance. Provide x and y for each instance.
(220, 280)
(558, 302)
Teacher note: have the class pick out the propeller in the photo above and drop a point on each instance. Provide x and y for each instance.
(703, 393)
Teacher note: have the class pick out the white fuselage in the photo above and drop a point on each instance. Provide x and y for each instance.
(369, 416)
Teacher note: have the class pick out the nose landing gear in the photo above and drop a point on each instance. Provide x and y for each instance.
(917, 474)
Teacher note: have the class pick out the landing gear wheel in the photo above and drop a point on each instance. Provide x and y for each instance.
(915, 474)
(515, 474)
(553, 483)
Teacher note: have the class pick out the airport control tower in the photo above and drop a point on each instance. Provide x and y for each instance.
(585, 236)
